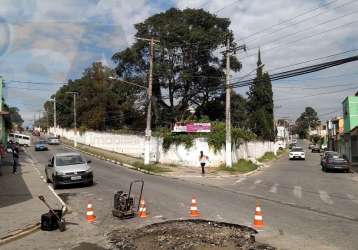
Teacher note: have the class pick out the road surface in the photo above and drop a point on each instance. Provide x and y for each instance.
(303, 207)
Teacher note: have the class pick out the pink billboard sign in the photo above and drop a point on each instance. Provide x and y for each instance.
(198, 127)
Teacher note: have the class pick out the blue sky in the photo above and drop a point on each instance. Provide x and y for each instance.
(53, 41)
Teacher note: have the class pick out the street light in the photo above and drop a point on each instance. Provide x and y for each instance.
(149, 116)
(74, 115)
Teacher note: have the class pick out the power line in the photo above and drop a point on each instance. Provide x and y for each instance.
(306, 19)
(287, 20)
(317, 94)
(305, 30)
(30, 82)
(304, 38)
(325, 87)
(299, 71)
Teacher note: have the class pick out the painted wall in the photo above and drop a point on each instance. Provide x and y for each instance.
(350, 113)
(133, 145)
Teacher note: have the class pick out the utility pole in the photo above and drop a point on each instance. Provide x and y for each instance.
(228, 154)
(148, 131)
(228, 158)
(74, 117)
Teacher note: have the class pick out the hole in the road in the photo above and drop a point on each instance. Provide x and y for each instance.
(88, 246)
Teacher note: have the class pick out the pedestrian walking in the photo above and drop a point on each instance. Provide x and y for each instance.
(15, 155)
(203, 159)
(2, 155)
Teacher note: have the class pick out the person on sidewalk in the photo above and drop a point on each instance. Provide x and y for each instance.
(203, 159)
(15, 155)
(2, 155)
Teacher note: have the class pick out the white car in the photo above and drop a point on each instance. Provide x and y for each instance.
(53, 141)
(297, 153)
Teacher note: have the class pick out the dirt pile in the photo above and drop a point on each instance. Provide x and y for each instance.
(188, 234)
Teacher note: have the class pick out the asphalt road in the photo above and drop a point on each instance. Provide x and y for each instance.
(303, 207)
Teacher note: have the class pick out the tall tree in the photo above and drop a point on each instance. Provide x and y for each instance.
(260, 104)
(307, 119)
(187, 72)
(15, 116)
(103, 103)
(215, 110)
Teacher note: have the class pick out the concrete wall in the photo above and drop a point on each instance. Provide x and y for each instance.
(133, 145)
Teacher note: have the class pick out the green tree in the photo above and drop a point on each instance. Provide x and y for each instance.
(102, 103)
(15, 116)
(215, 110)
(187, 72)
(308, 119)
(260, 105)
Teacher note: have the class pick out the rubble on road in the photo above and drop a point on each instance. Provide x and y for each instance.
(187, 234)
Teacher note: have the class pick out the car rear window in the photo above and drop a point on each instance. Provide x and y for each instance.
(69, 160)
(297, 150)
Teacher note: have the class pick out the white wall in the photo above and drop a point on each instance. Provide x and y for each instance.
(133, 145)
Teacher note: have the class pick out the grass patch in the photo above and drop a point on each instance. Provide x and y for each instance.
(242, 166)
(268, 156)
(281, 152)
(154, 168)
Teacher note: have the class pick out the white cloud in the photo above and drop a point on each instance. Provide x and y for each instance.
(249, 17)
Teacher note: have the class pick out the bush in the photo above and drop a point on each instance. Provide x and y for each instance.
(216, 138)
(268, 156)
(242, 166)
(151, 167)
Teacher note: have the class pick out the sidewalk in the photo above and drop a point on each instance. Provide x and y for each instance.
(19, 203)
(176, 171)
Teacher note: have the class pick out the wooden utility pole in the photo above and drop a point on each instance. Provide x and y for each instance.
(148, 131)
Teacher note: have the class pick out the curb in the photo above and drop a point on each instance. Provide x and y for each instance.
(149, 172)
(19, 233)
(113, 161)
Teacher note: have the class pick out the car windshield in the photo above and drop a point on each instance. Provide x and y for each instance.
(69, 160)
(334, 155)
(297, 150)
(40, 142)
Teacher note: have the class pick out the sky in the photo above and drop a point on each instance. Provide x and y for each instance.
(49, 42)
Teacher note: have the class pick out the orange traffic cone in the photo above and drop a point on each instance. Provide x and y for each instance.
(194, 212)
(90, 217)
(142, 213)
(258, 220)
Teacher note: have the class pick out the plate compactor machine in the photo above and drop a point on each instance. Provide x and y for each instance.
(125, 203)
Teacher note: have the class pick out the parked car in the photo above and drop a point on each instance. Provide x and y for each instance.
(334, 161)
(324, 147)
(316, 149)
(311, 145)
(324, 155)
(20, 139)
(292, 145)
(41, 146)
(68, 168)
(53, 141)
(297, 153)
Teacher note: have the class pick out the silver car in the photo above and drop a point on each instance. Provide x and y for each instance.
(68, 168)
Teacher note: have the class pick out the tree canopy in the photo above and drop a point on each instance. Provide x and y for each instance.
(187, 72)
(260, 105)
(307, 119)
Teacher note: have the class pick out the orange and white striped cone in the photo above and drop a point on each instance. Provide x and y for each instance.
(258, 218)
(142, 213)
(90, 217)
(194, 212)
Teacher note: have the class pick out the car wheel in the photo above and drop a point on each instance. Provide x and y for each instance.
(90, 183)
(47, 179)
(54, 183)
